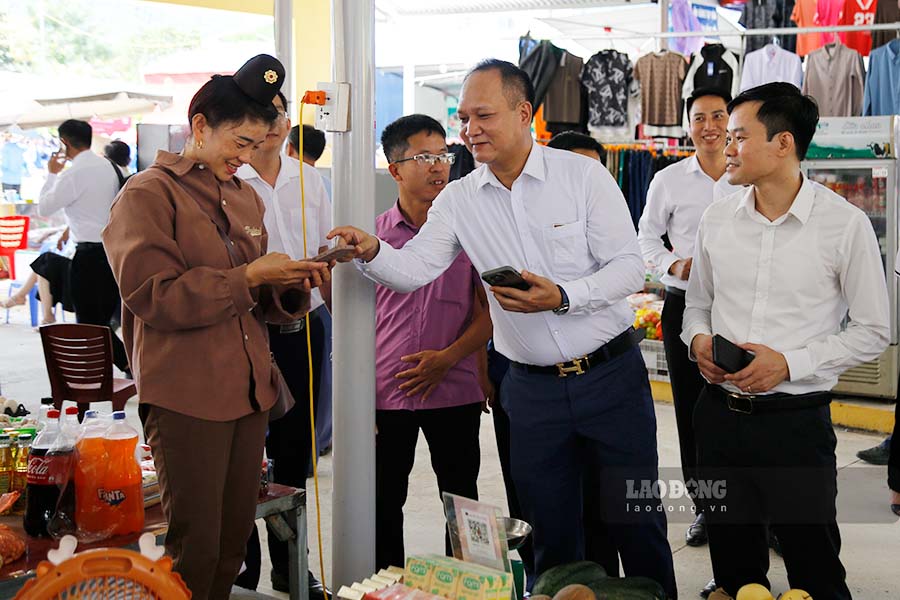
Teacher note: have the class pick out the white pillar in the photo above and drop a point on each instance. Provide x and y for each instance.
(663, 23)
(283, 49)
(409, 88)
(353, 170)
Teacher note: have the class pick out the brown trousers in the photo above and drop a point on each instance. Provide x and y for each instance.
(209, 482)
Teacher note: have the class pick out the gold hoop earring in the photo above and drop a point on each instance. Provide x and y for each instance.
(199, 144)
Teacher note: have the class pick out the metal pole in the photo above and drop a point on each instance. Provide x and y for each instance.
(284, 29)
(748, 32)
(663, 23)
(353, 496)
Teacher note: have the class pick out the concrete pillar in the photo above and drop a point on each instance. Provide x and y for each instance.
(353, 496)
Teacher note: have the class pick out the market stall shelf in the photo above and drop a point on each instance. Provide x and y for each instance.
(283, 507)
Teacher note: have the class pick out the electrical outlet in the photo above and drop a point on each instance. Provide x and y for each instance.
(334, 115)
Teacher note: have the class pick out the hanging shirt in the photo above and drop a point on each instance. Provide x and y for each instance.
(564, 219)
(882, 93)
(713, 67)
(788, 284)
(607, 77)
(835, 78)
(677, 198)
(769, 64)
(540, 64)
(84, 191)
(828, 13)
(886, 11)
(804, 15)
(684, 19)
(758, 14)
(858, 12)
(661, 75)
(430, 318)
(12, 163)
(562, 104)
(284, 218)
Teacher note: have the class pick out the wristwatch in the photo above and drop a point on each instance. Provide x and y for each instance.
(563, 307)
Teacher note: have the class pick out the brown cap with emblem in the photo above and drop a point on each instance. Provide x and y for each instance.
(260, 78)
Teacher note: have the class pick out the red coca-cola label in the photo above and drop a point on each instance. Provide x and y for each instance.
(39, 469)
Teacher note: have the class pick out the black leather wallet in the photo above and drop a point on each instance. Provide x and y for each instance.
(728, 357)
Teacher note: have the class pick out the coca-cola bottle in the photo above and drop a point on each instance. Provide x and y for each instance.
(62, 459)
(41, 490)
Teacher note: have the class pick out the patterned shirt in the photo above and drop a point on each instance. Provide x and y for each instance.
(607, 77)
(661, 75)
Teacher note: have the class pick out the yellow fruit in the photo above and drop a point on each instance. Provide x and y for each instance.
(754, 591)
(795, 595)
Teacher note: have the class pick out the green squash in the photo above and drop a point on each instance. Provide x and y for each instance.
(552, 580)
(628, 588)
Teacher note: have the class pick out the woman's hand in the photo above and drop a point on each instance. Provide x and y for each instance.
(280, 269)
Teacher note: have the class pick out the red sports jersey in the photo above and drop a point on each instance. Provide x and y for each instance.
(858, 12)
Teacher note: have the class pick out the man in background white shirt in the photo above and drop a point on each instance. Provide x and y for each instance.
(276, 178)
(776, 268)
(85, 192)
(677, 197)
(576, 393)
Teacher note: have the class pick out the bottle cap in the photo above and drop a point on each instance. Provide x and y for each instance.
(4, 437)
(46, 400)
(71, 410)
(91, 414)
(119, 415)
(52, 414)
(25, 437)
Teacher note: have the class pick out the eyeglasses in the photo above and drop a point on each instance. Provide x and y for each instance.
(429, 159)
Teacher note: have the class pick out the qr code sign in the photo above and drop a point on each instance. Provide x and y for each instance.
(479, 531)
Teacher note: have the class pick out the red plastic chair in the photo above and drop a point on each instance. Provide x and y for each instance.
(13, 236)
(79, 363)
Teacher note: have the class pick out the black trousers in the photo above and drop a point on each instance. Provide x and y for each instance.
(599, 546)
(778, 468)
(95, 293)
(452, 436)
(687, 382)
(894, 458)
(289, 442)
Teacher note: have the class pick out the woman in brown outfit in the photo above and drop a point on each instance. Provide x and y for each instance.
(187, 245)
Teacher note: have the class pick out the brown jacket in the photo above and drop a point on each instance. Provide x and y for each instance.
(195, 333)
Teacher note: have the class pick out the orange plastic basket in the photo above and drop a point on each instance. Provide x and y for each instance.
(106, 573)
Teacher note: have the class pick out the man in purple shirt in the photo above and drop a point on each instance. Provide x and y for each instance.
(429, 345)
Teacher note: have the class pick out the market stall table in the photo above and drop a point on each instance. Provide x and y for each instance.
(284, 508)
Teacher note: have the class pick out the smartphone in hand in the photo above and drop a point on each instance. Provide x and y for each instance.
(729, 357)
(505, 277)
(338, 253)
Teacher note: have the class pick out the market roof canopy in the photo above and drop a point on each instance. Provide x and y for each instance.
(30, 101)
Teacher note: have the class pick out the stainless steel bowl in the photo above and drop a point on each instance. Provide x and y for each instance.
(515, 530)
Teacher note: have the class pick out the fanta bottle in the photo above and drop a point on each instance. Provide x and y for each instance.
(123, 491)
(90, 476)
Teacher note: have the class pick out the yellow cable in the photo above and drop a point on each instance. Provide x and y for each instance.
(312, 409)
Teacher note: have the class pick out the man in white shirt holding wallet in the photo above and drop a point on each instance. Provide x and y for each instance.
(776, 268)
(576, 393)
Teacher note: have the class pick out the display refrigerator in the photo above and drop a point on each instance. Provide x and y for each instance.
(857, 157)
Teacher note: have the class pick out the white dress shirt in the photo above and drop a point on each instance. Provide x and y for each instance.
(564, 219)
(787, 284)
(771, 63)
(676, 199)
(84, 191)
(284, 216)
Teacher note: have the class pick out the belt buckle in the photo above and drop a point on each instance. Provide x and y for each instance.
(735, 407)
(576, 369)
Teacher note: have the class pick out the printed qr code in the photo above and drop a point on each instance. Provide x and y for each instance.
(479, 532)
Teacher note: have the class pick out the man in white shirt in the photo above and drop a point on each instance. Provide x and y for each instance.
(677, 197)
(276, 178)
(776, 269)
(85, 192)
(576, 393)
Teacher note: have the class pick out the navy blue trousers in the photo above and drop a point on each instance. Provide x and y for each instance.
(598, 427)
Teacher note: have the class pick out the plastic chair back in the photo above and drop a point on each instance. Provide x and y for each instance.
(13, 236)
(79, 362)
